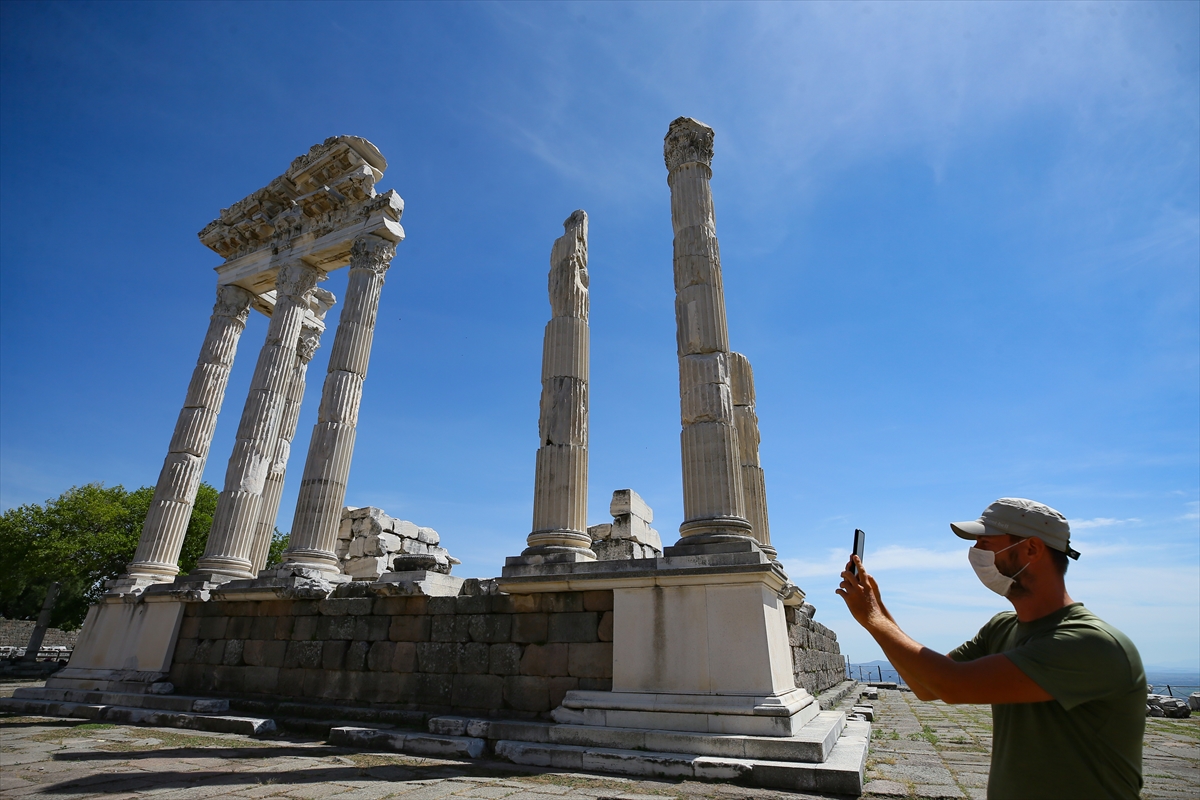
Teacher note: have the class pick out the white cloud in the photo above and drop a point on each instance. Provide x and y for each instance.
(1100, 522)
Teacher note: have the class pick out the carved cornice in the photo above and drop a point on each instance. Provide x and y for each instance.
(232, 301)
(329, 187)
(687, 140)
(373, 253)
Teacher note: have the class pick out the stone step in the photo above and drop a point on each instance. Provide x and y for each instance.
(418, 744)
(104, 685)
(812, 744)
(128, 715)
(840, 773)
(322, 727)
(335, 714)
(159, 702)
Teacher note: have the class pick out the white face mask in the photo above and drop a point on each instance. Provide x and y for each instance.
(984, 564)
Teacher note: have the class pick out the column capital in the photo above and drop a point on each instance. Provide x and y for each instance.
(310, 340)
(373, 253)
(232, 301)
(687, 140)
(296, 280)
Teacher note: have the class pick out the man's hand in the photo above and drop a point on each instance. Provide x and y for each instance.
(861, 594)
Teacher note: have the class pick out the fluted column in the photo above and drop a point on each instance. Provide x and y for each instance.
(323, 487)
(560, 481)
(306, 347)
(754, 484)
(713, 495)
(157, 556)
(227, 554)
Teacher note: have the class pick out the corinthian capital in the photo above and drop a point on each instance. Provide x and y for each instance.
(309, 341)
(687, 140)
(296, 281)
(373, 253)
(232, 301)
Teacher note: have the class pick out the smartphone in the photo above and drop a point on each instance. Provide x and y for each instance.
(860, 543)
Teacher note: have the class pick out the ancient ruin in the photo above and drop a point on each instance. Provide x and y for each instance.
(596, 648)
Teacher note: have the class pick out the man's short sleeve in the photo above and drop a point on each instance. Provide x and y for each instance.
(984, 642)
(1074, 664)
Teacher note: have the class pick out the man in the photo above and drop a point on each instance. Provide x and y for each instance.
(1068, 691)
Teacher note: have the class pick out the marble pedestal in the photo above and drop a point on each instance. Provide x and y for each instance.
(126, 645)
(700, 641)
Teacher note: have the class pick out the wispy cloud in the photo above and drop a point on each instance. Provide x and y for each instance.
(1101, 522)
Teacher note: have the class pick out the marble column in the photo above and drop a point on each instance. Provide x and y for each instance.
(157, 557)
(227, 554)
(306, 347)
(560, 482)
(741, 377)
(323, 486)
(713, 496)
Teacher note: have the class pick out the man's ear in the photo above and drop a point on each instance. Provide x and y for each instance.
(1035, 548)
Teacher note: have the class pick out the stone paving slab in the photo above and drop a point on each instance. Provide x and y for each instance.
(918, 750)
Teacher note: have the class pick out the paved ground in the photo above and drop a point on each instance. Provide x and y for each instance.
(919, 750)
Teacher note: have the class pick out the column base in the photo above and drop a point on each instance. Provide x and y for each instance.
(132, 584)
(782, 714)
(283, 583)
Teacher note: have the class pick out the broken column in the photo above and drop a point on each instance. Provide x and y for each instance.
(754, 485)
(713, 495)
(560, 482)
(306, 347)
(157, 556)
(314, 531)
(227, 554)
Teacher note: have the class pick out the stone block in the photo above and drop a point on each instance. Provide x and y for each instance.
(417, 605)
(530, 627)
(590, 660)
(504, 659)
(515, 603)
(240, 627)
(252, 652)
(341, 606)
(478, 691)
(545, 660)
(189, 628)
(229, 679)
(437, 657)
(562, 601)
(604, 631)
(304, 628)
(579, 626)
(303, 655)
(472, 658)
(213, 627)
(372, 628)
(448, 628)
(284, 627)
(559, 688)
(527, 693)
(185, 650)
(340, 627)
(305, 608)
(404, 657)
(333, 653)
(273, 608)
(379, 657)
(598, 600)
(443, 605)
(410, 629)
(232, 657)
(378, 687)
(273, 653)
(261, 680)
(210, 651)
(356, 656)
(473, 604)
(490, 627)
(262, 628)
(390, 606)
(595, 684)
(434, 689)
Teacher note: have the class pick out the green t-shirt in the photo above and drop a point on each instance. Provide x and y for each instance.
(1085, 743)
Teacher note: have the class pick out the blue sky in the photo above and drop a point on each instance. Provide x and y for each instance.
(960, 244)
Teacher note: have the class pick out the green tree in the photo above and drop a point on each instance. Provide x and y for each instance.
(82, 538)
(279, 543)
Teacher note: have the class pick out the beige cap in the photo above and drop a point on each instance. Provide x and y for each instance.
(1019, 517)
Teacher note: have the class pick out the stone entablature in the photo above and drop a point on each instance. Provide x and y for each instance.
(313, 212)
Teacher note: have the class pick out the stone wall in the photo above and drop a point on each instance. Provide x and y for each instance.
(510, 655)
(817, 661)
(16, 632)
(487, 655)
